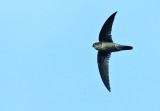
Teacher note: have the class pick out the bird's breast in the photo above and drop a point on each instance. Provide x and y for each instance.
(107, 46)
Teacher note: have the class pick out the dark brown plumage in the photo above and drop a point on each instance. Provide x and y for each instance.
(105, 47)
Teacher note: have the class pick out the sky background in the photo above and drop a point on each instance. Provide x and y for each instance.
(47, 62)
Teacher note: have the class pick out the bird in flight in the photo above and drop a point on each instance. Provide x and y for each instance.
(105, 47)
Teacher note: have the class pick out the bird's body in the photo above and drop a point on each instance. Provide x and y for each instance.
(110, 47)
(105, 47)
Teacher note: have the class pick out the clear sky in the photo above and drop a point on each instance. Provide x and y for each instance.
(47, 62)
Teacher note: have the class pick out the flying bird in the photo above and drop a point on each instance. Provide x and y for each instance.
(105, 47)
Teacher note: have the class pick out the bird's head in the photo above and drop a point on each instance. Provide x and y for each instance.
(95, 45)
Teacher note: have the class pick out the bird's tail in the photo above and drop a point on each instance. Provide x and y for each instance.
(123, 47)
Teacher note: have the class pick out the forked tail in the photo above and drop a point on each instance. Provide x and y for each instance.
(123, 47)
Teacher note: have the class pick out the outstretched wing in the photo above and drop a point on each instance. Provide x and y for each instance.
(105, 33)
(102, 59)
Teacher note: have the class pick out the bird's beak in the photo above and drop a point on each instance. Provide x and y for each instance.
(93, 45)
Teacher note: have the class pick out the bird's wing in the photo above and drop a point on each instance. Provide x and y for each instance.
(103, 60)
(105, 33)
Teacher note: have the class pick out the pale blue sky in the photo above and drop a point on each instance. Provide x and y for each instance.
(47, 62)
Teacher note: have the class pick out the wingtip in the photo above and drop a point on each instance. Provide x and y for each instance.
(115, 12)
(109, 89)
